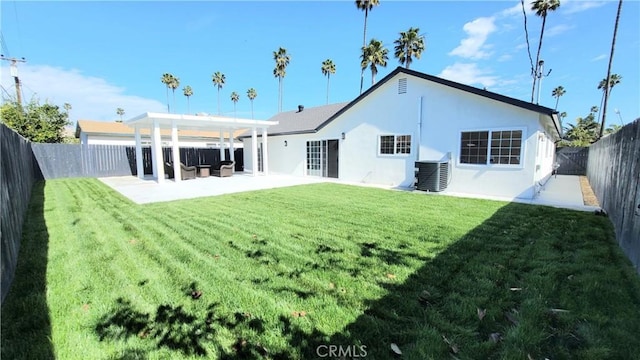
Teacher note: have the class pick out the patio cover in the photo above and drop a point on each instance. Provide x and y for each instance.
(175, 122)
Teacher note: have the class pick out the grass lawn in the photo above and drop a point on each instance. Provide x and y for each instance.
(285, 273)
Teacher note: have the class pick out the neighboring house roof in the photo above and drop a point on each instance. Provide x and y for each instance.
(117, 128)
(309, 120)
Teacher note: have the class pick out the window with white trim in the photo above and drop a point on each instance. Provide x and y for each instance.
(395, 145)
(504, 147)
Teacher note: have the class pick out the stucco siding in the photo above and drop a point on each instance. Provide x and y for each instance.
(434, 115)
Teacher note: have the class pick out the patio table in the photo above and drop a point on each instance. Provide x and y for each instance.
(205, 170)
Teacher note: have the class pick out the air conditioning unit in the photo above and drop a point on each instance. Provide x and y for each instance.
(432, 175)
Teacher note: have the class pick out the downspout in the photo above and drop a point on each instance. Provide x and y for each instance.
(419, 135)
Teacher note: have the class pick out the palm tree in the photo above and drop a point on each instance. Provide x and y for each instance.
(234, 97)
(366, 6)
(252, 94)
(188, 92)
(328, 68)
(218, 81)
(614, 80)
(594, 109)
(175, 82)
(120, 112)
(556, 93)
(374, 55)
(282, 61)
(609, 76)
(167, 79)
(542, 8)
(410, 44)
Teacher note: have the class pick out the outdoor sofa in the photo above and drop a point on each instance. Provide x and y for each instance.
(188, 172)
(224, 169)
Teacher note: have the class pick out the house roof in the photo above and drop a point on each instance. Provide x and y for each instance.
(310, 120)
(121, 129)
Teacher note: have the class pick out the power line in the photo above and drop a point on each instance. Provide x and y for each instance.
(5, 48)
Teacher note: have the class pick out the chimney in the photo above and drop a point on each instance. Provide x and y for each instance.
(300, 108)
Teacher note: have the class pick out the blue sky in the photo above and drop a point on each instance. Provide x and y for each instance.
(99, 56)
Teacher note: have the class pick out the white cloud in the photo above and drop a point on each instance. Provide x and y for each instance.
(473, 47)
(557, 30)
(90, 97)
(516, 10)
(574, 6)
(469, 74)
(600, 57)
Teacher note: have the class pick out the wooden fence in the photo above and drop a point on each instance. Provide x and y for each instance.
(17, 179)
(614, 173)
(74, 160)
(572, 160)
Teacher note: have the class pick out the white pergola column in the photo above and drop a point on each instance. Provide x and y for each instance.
(222, 157)
(232, 156)
(177, 170)
(154, 166)
(265, 152)
(139, 162)
(157, 152)
(254, 151)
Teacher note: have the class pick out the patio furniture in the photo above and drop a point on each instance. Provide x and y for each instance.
(187, 172)
(204, 170)
(225, 169)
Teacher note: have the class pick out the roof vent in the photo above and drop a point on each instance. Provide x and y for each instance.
(402, 86)
(300, 108)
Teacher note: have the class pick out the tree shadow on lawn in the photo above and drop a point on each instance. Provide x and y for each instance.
(26, 323)
(527, 281)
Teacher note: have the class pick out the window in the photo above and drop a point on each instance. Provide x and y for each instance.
(505, 147)
(473, 148)
(395, 144)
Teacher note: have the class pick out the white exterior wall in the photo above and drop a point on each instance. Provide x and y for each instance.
(442, 113)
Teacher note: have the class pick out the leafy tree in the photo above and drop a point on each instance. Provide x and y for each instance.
(328, 68)
(218, 79)
(38, 123)
(609, 76)
(542, 9)
(120, 112)
(234, 97)
(585, 131)
(374, 55)
(167, 79)
(252, 94)
(188, 92)
(410, 44)
(282, 61)
(556, 93)
(366, 6)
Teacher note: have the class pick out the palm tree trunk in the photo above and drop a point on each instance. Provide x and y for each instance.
(557, 100)
(218, 101)
(174, 99)
(364, 43)
(168, 110)
(251, 108)
(279, 94)
(188, 106)
(533, 89)
(328, 75)
(606, 91)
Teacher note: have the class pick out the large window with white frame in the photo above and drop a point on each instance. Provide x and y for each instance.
(491, 147)
(394, 145)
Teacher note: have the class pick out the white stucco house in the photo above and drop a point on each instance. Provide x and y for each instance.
(472, 141)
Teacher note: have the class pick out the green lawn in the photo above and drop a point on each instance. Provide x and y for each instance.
(278, 273)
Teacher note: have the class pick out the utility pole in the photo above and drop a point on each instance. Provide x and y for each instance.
(14, 73)
(539, 76)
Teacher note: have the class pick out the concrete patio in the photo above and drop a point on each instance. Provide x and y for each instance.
(149, 191)
(560, 191)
